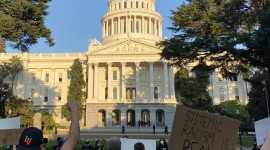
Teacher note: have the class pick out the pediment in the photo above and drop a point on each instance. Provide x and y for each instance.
(127, 47)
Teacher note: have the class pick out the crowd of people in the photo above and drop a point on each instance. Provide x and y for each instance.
(32, 138)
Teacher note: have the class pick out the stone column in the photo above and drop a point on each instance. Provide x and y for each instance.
(172, 90)
(65, 77)
(109, 80)
(142, 24)
(138, 92)
(107, 32)
(127, 24)
(152, 116)
(138, 115)
(150, 26)
(123, 98)
(52, 95)
(160, 29)
(90, 84)
(112, 26)
(155, 27)
(109, 117)
(96, 82)
(25, 76)
(123, 117)
(118, 25)
(151, 81)
(165, 71)
(39, 86)
(103, 29)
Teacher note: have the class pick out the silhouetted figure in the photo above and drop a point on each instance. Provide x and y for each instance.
(99, 146)
(166, 130)
(139, 123)
(154, 129)
(123, 129)
(87, 145)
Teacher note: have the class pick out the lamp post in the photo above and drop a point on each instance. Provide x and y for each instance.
(240, 138)
(267, 105)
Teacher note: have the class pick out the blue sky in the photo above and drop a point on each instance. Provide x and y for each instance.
(74, 22)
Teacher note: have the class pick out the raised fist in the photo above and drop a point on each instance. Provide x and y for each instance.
(72, 105)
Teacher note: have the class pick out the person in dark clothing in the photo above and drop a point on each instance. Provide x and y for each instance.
(99, 146)
(87, 146)
(59, 143)
(154, 129)
(255, 146)
(162, 144)
(123, 129)
(166, 130)
(139, 123)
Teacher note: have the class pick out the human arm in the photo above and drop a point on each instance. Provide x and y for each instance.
(266, 144)
(74, 130)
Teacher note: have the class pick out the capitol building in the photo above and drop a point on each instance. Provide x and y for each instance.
(126, 79)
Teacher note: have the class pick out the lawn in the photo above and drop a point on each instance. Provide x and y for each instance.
(246, 141)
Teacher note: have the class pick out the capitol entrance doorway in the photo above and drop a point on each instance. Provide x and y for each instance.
(131, 118)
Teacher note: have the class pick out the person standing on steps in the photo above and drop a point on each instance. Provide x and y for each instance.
(154, 129)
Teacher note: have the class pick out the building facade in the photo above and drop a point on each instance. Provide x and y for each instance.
(127, 81)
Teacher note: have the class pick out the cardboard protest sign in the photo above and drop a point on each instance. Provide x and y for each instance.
(10, 123)
(128, 144)
(261, 129)
(200, 130)
(10, 136)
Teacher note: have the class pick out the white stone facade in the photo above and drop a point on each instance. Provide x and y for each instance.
(127, 82)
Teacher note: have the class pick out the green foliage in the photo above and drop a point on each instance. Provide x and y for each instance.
(257, 106)
(22, 22)
(14, 67)
(229, 108)
(193, 91)
(222, 32)
(47, 120)
(2, 45)
(75, 92)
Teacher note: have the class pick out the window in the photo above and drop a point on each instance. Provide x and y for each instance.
(137, 4)
(103, 120)
(131, 5)
(130, 93)
(148, 27)
(142, 5)
(125, 4)
(59, 95)
(147, 5)
(236, 93)
(106, 75)
(119, 5)
(160, 116)
(115, 93)
(46, 93)
(114, 75)
(137, 26)
(47, 76)
(33, 77)
(156, 93)
(125, 27)
(60, 77)
(114, 6)
(221, 94)
(106, 93)
(235, 78)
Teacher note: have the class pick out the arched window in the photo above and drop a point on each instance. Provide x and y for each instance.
(102, 118)
(142, 5)
(125, 4)
(160, 118)
(156, 93)
(119, 5)
(145, 117)
(116, 117)
(115, 93)
(137, 4)
(131, 4)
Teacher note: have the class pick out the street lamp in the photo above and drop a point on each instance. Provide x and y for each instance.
(265, 88)
(240, 138)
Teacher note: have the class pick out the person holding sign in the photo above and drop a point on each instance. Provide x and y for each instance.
(162, 144)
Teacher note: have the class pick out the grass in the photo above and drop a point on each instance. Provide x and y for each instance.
(246, 141)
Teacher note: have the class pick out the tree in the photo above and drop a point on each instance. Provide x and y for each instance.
(2, 45)
(220, 33)
(47, 120)
(22, 22)
(14, 68)
(229, 108)
(75, 92)
(193, 91)
(257, 106)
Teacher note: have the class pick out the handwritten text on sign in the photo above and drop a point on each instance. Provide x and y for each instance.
(199, 130)
(10, 136)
